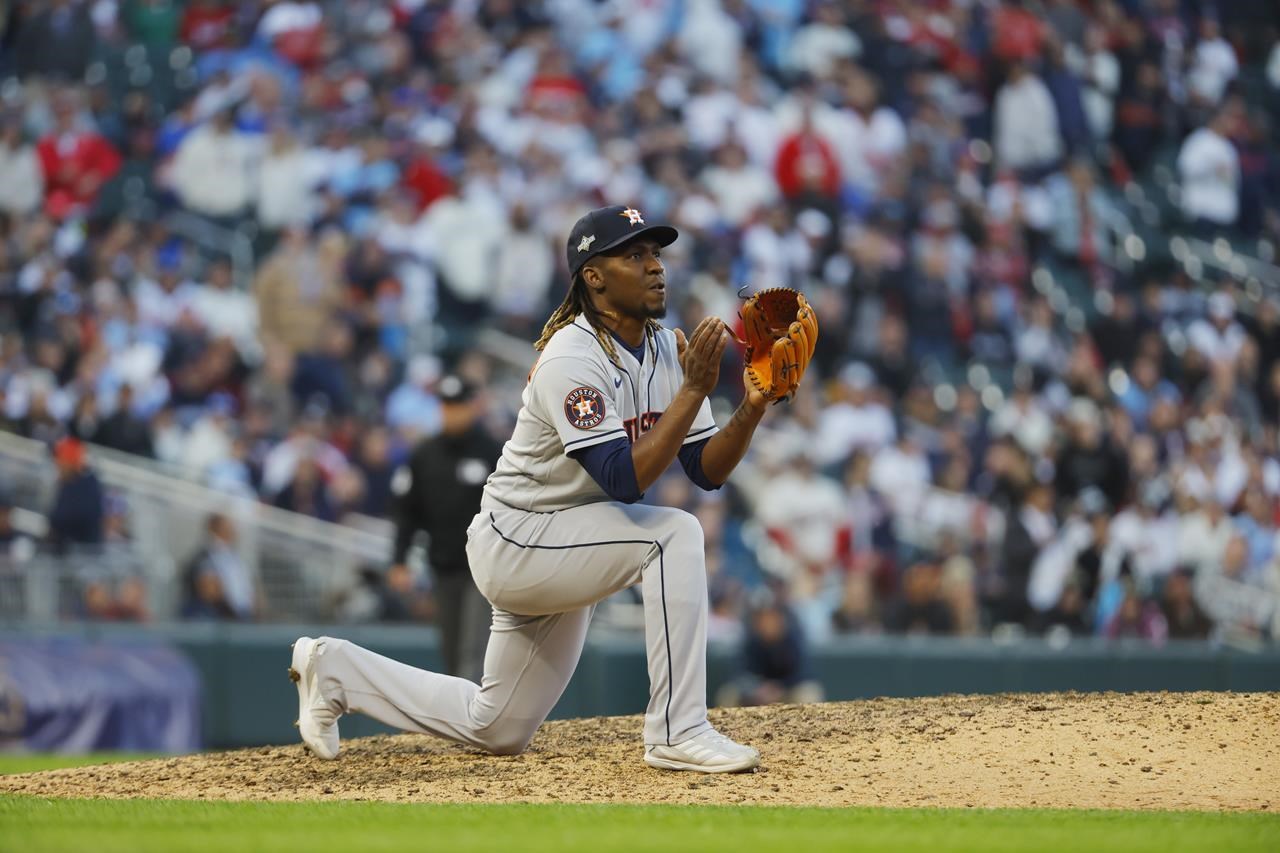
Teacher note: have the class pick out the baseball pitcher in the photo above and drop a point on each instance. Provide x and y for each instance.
(612, 401)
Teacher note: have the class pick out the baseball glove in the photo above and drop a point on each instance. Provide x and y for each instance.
(781, 330)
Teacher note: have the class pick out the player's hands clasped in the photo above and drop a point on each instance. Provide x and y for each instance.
(700, 355)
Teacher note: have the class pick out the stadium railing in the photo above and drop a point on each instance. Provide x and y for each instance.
(301, 565)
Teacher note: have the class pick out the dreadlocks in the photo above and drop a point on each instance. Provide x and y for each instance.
(576, 302)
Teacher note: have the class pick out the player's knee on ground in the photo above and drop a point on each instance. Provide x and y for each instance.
(505, 737)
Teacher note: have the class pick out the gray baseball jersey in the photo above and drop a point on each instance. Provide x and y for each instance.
(576, 397)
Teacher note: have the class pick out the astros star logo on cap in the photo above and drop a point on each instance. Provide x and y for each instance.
(633, 216)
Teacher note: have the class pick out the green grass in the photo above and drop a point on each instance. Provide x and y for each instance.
(31, 762)
(35, 824)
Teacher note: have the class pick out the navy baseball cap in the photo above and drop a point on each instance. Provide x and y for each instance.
(606, 228)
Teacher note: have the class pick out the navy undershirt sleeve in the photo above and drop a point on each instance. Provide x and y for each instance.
(609, 464)
(691, 461)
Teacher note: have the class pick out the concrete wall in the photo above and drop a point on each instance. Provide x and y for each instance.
(248, 699)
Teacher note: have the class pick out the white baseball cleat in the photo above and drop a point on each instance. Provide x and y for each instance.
(317, 723)
(709, 752)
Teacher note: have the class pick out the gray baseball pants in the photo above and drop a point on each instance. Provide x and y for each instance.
(544, 574)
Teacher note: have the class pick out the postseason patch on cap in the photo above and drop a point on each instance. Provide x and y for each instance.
(584, 407)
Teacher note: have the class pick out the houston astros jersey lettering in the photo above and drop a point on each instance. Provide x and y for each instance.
(576, 397)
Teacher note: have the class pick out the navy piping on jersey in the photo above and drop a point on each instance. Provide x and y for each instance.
(697, 433)
(657, 358)
(662, 578)
(569, 444)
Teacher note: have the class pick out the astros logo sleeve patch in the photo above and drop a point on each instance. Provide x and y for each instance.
(584, 407)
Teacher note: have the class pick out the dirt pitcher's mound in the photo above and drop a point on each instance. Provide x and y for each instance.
(1141, 751)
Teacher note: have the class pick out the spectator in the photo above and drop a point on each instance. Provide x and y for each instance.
(1136, 618)
(1027, 533)
(460, 226)
(856, 419)
(875, 149)
(920, 608)
(1257, 524)
(219, 584)
(990, 340)
(900, 472)
(1066, 89)
(57, 41)
(1182, 613)
(1213, 64)
(298, 288)
(413, 408)
(820, 45)
(803, 514)
(1099, 72)
(124, 429)
(1204, 530)
(393, 596)
(1139, 119)
(122, 601)
(325, 374)
(1082, 215)
(295, 30)
(76, 517)
(21, 178)
(208, 25)
(1069, 615)
(1023, 418)
(1088, 458)
(306, 493)
(959, 585)
(740, 190)
(1145, 535)
(75, 160)
(1017, 34)
(1209, 169)
(525, 272)
(286, 183)
(225, 312)
(212, 171)
(152, 22)
(806, 169)
(212, 435)
(1027, 137)
(775, 666)
(1238, 605)
(1219, 337)
(270, 393)
(857, 611)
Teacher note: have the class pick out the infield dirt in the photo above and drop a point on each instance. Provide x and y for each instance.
(1203, 751)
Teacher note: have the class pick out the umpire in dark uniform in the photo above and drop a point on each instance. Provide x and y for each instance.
(439, 491)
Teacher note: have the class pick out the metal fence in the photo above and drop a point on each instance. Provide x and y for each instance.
(300, 565)
(109, 582)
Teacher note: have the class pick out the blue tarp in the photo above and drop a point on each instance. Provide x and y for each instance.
(73, 695)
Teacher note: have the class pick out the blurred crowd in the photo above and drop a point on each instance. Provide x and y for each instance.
(1015, 422)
